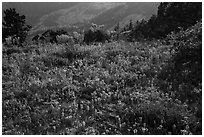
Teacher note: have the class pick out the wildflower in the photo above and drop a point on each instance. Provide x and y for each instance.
(187, 128)
(184, 132)
(160, 127)
(140, 118)
(83, 123)
(144, 129)
(135, 131)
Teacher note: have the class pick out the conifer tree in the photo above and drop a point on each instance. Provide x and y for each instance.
(14, 25)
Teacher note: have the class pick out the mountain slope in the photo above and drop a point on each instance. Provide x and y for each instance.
(124, 13)
(79, 13)
(35, 10)
(59, 14)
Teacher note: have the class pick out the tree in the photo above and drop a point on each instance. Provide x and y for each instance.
(130, 25)
(171, 16)
(14, 25)
(177, 14)
(117, 29)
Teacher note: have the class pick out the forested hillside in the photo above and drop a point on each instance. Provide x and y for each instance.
(171, 16)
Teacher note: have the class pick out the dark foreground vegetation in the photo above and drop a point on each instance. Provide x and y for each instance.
(145, 88)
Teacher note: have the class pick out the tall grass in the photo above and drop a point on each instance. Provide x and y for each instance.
(114, 88)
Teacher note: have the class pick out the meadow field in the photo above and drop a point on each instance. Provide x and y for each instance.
(111, 88)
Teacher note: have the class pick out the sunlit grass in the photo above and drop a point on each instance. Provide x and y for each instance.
(110, 88)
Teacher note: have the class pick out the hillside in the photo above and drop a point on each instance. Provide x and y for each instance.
(114, 88)
(43, 15)
(103, 82)
(35, 10)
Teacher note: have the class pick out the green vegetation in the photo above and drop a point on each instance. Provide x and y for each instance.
(144, 88)
(115, 88)
(14, 25)
(171, 16)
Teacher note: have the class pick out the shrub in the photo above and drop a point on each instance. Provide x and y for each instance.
(185, 67)
(95, 36)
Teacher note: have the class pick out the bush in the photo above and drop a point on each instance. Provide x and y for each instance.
(95, 36)
(185, 67)
(182, 76)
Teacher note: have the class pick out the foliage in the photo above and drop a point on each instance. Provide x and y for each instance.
(171, 16)
(95, 36)
(52, 34)
(184, 70)
(185, 67)
(97, 89)
(14, 25)
(142, 88)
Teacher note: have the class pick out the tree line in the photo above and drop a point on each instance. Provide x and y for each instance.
(171, 17)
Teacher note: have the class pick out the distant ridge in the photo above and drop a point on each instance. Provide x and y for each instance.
(61, 14)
